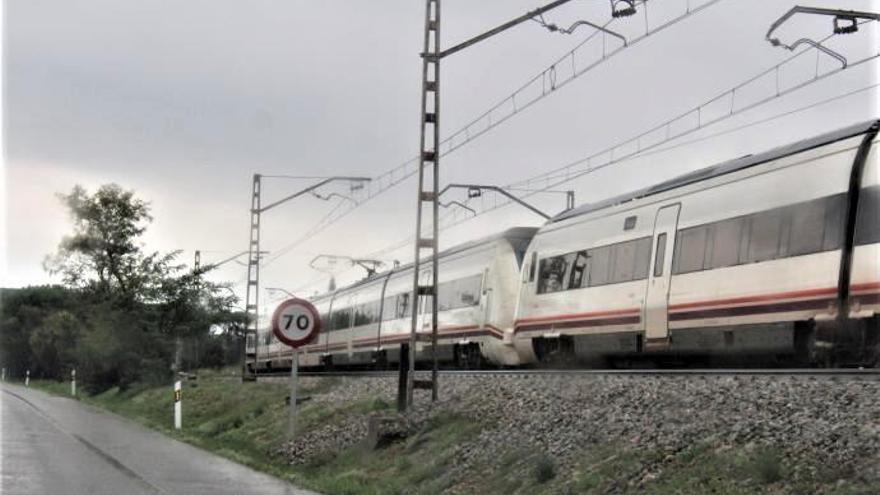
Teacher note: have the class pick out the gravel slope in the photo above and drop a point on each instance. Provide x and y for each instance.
(825, 431)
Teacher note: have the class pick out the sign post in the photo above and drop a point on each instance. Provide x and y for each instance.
(295, 322)
(27, 378)
(178, 413)
(73, 382)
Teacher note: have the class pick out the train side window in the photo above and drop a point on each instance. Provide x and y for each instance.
(835, 220)
(533, 266)
(690, 249)
(660, 255)
(389, 308)
(341, 319)
(360, 315)
(643, 258)
(600, 264)
(807, 229)
(403, 309)
(725, 243)
(624, 262)
(764, 235)
(868, 217)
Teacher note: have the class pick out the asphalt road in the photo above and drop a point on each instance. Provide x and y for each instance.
(54, 445)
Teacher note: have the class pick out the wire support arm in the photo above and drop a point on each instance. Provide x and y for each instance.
(503, 27)
(480, 187)
(553, 28)
(850, 16)
(312, 188)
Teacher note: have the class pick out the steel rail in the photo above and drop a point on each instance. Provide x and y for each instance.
(868, 372)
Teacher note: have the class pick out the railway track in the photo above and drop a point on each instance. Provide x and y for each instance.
(870, 372)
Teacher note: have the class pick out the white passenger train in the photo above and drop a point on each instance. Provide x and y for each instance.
(776, 253)
(364, 324)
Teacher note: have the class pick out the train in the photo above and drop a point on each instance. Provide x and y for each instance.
(773, 255)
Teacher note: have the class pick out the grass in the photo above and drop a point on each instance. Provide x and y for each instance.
(246, 423)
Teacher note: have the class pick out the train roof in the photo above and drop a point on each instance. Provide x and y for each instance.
(723, 168)
(509, 234)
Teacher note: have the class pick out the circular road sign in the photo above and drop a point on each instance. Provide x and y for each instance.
(296, 322)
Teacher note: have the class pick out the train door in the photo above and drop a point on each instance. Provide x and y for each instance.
(657, 298)
(485, 295)
(324, 336)
(386, 311)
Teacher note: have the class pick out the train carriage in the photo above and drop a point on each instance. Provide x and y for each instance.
(365, 323)
(776, 252)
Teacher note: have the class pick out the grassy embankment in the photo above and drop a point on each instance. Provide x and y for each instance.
(245, 422)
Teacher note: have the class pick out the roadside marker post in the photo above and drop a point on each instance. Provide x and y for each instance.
(73, 382)
(27, 378)
(4, 375)
(295, 322)
(178, 413)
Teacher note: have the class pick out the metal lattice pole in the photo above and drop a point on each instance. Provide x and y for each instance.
(252, 300)
(428, 193)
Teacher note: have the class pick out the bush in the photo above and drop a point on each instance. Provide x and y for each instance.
(767, 465)
(116, 351)
(53, 344)
(544, 469)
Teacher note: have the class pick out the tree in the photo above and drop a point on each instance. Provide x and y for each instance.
(22, 312)
(140, 306)
(102, 255)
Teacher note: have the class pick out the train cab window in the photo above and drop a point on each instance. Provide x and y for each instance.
(764, 234)
(578, 269)
(467, 291)
(660, 255)
(552, 274)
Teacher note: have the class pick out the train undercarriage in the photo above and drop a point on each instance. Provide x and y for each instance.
(852, 343)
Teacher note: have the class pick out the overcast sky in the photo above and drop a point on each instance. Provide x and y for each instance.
(183, 101)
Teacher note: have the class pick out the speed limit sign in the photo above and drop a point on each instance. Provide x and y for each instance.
(296, 322)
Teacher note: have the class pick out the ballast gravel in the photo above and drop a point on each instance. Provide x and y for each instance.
(832, 418)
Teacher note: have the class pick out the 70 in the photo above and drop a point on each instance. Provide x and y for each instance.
(301, 322)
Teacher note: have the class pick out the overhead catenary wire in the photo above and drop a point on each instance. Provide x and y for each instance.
(545, 83)
(406, 241)
(553, 178)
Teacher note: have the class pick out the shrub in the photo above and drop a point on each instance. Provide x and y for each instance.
(767, 465)
(544, 469)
